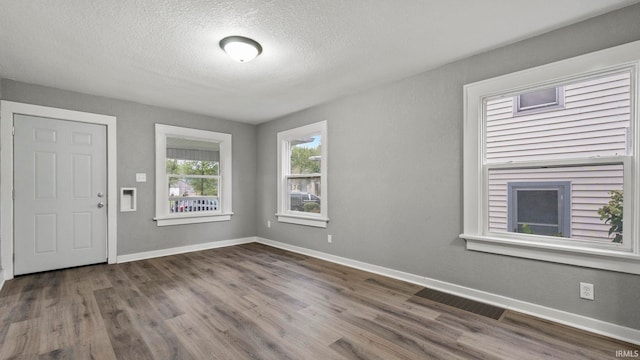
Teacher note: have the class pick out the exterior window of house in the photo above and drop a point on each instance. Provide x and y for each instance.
(539, 100)
(193, 176)
(539, 208)
(556, 184)
(302, 175)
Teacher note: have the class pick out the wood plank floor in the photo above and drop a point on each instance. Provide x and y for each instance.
(257, 302)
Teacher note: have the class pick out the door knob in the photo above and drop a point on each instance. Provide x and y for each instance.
(100, 205)
(100, 194)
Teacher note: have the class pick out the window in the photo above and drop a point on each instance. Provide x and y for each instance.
(302, 175)
(193, 176)
(539, 100)
(539, 208)
(551, 162)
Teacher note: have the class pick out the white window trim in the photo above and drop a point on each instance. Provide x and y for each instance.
(163, 216)
(294, 217)
(475, 216)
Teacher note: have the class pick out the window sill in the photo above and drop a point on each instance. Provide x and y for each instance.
(618, 261)
(193, 219)
(303, 220)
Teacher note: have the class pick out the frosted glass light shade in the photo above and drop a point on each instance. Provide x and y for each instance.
(240, 48)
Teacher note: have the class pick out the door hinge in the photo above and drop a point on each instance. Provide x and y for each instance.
(13, 131)
(13, 194)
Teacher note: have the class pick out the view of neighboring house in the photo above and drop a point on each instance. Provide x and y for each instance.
(585, 118)
(181, 188)
(303, 181)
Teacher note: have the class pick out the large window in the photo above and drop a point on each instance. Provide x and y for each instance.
(193, 175)
(302, 180)
(551, 162)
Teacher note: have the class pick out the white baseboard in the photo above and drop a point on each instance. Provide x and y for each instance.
(183, 249)
(562, 317)
(1, 279)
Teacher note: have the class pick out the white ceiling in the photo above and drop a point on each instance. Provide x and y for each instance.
(166, 53)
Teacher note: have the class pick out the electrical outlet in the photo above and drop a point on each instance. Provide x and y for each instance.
(329, 239)
(586, 291)
(268, 223)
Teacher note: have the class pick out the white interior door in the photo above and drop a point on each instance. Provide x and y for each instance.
(60, 183)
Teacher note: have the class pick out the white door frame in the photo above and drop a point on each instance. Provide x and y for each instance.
(7, 110)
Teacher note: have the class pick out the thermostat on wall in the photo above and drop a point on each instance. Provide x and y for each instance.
(141, 177)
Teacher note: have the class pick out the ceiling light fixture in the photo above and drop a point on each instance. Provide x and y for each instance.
(240, 48)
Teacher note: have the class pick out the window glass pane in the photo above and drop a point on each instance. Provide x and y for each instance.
(193, 204)
(304, 194)
(537, 207)
(591, 191)
(539, 98)
(192, 157)
(189, 186)
(537, 212)
(187, 149)
(305, 155)
(594, 121)
(192, 167)
(187, 194)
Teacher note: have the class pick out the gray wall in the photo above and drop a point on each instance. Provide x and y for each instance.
(395, 179)
(137, 231)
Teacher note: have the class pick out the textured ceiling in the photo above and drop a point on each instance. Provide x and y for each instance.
(166, 53)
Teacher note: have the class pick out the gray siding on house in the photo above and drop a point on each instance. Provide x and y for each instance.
(590, 186)
(594, 121)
